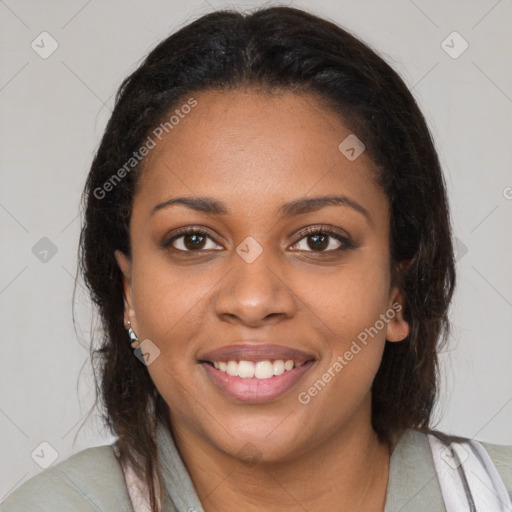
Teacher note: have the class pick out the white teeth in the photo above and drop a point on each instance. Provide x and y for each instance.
(245, 369)
(263, 370)
(260, 369)
(278, 367)
(232, 368)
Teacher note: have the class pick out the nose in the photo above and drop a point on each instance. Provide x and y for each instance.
(255, 294)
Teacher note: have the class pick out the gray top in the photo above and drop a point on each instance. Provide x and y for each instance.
(92, 480)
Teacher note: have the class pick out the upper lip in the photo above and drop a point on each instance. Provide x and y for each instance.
(256, 352)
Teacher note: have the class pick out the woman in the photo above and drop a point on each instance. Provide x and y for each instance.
(267, 239)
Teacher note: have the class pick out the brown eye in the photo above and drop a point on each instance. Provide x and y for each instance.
(322, 240)
(192, 240)
(318, 242)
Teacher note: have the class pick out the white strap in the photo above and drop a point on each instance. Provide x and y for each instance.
(137, 489)
(468, 478)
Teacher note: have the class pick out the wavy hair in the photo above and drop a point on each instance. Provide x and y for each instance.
(278, 48)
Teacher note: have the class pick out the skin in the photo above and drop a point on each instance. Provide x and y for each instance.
(254, 152)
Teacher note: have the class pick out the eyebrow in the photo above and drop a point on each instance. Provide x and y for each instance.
(299, 206)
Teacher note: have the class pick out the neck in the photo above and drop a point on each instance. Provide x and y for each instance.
(346, 472)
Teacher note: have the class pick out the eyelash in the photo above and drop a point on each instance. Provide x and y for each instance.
(345, 241)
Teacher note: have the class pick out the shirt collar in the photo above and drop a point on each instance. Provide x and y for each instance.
(412, 483)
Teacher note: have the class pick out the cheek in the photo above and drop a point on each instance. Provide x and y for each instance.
(352, 307)
(351, 299)
(351, 303)
(170, 311)
(170, 307)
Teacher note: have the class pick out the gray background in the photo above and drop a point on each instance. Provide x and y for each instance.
(54, 110)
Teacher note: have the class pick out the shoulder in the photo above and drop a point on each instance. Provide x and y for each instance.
(88, 481)
(501, 455)
(412, 480)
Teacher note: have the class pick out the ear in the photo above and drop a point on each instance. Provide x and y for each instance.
(126, 268)
(397, 328)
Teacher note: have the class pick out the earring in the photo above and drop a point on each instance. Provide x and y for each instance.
(133, 337)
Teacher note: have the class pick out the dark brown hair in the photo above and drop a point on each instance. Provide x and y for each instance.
(277, 48)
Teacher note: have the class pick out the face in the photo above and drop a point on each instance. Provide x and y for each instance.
(254, 266)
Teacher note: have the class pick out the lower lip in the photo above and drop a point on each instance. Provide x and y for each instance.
(255, 390)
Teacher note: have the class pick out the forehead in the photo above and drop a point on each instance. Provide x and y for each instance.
(254, 146)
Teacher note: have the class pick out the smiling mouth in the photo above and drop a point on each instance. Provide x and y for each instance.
(266, 369)
(254, 383)
(254, 371)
